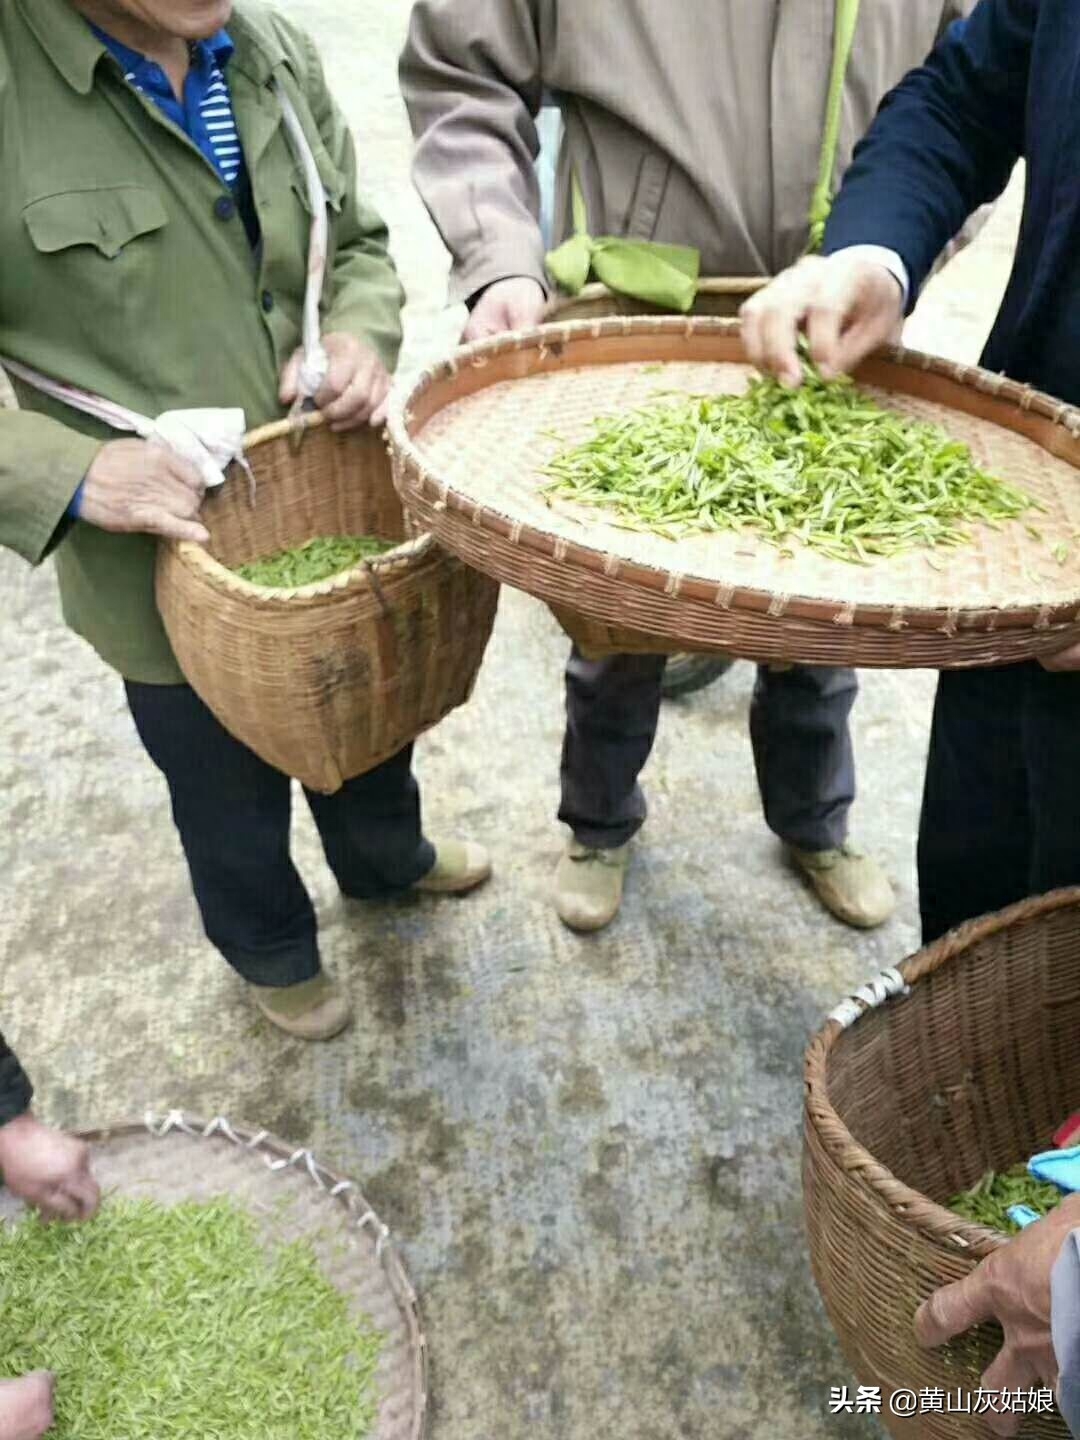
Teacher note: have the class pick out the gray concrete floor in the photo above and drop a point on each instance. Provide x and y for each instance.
(589, 1150)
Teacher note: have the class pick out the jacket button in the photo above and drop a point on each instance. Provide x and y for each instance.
(267, 301)
(225, 207)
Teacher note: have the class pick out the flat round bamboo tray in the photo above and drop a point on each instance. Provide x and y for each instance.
(962, 1060)
(174, 1157)
(326, 681)
(472, 438)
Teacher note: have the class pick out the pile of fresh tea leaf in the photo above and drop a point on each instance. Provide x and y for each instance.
(315, 561)
(177, 1324)
(824, 466)
(988, 1202)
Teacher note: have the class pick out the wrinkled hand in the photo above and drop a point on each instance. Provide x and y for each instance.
(514, 304)
(137, 487)
(48, 1169)
(26, 1406)
(356, 387)
(1063, 660)
(846, 306)
(1011, 1286)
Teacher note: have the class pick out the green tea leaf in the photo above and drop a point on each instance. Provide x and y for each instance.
(318, 560)
(824, 466)
(176, 1323)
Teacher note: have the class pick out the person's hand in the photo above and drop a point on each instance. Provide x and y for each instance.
(48, 1169)
(846, 306)
(1064, 659)
(515, 304)
(136, 487)
(1011, 1286)
(26, 1406)
(356, 387)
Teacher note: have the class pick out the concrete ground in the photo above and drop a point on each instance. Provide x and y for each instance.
(588, 1149)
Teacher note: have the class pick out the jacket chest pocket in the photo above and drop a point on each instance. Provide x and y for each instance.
(81, 225)
(101, 253)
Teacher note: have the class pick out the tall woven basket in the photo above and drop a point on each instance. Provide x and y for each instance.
(722, 296)
(911, 1098)
(326, 681)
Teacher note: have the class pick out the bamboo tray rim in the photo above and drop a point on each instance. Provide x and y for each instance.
(911, 1207)
(737, 596)
(359, 577)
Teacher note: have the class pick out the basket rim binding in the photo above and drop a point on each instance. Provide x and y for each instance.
(911, 1206)
(642, 575)
(199, 560)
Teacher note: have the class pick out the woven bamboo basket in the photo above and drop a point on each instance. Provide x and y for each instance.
(594, 638)
(174, 1158)
(472, 439)
(326, 681)
(910, 1100)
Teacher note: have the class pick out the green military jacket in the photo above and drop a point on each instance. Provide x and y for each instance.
(118, 274)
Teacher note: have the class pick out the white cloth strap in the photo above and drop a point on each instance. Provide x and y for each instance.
(316, 362)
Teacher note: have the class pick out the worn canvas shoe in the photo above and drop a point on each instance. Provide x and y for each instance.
(850, 885)
(316, 1009)
(460, 865)
(589, 885)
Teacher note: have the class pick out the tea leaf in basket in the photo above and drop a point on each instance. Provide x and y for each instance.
(823, 466)
(170, 1324)
(318, 560)
(988, 1202)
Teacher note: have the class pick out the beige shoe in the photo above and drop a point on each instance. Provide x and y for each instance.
(316, 1009)
(589, 885)
(850, 885)
(460, 865)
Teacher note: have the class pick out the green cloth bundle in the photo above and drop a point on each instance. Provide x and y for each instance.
(661, 275)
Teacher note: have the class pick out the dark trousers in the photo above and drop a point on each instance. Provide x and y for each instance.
(798, 727)
(233, 813)
(1001, 805)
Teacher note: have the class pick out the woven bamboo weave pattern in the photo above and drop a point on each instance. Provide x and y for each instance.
(472, 440)
(293, 1197)
(972, 1070)
(326, 681)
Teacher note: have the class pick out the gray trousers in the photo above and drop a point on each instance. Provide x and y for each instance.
(798, 728)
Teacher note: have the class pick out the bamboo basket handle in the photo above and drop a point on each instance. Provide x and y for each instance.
(847, 19)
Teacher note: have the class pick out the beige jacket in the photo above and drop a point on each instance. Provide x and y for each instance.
(696, 122)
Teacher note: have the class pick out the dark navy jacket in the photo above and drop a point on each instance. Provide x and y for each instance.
(1001, 85)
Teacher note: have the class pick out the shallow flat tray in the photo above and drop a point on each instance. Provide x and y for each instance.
(174, 1157)
(472, 438)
